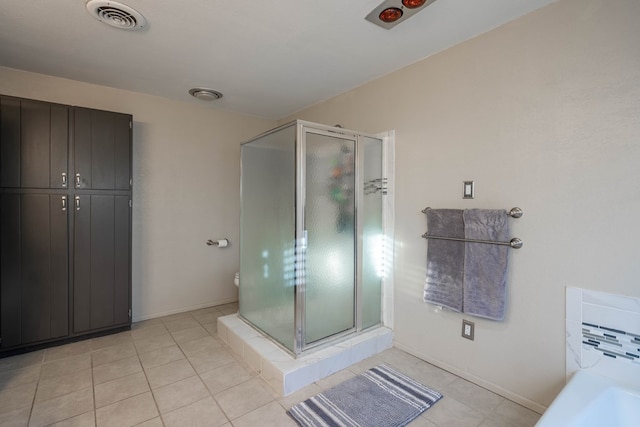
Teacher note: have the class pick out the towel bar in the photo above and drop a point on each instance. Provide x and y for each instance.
(515, 243)
(513, 212)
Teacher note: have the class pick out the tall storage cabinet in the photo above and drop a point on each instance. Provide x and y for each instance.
(65, 222)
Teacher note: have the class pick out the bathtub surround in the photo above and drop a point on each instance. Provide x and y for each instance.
(603, 335)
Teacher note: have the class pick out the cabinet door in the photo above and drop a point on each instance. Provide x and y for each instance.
(33, 144)
(101, 262)
(102, 153)
(34, 268)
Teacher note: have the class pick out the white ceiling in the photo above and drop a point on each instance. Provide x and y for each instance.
(269, 58)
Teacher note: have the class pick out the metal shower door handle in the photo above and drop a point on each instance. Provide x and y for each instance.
(64, 179)
(77, 203)
(64, 203)
(77, 180)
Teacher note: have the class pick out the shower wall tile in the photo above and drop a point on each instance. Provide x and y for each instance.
(603, 334)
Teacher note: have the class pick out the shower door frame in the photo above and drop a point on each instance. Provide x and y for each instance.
(302, 128)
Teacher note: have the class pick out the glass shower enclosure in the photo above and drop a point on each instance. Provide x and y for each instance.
(311, 235)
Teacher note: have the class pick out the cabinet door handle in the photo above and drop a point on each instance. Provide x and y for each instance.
(64, 203)
(64, 179)
(77, 180)
(77, 203)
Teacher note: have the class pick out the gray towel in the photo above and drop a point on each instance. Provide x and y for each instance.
(485, 265)
(445, 259)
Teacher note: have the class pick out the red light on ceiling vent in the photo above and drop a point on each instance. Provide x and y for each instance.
(390, 14)
(413, 4)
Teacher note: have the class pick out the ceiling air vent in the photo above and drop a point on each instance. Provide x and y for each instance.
(116, 14)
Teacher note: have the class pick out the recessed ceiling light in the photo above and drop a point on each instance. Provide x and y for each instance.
(204, 94)
(116, 14)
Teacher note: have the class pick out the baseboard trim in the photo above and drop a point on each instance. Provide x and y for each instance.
(527, 403)
(183, 309)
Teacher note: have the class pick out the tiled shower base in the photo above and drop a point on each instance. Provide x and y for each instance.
(287, 374)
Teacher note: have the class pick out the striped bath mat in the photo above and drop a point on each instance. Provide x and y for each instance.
(380, 397)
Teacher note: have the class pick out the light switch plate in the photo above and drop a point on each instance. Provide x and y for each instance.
(468, 189)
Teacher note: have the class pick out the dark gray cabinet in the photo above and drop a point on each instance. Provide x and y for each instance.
(101, 268)
(35, 145)
(65, 222)
(102, 150)
(34, 268)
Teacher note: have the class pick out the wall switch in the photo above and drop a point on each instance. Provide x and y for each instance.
(468, 190)
(467, 329)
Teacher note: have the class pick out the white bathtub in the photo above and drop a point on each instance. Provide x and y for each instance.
(591, 400)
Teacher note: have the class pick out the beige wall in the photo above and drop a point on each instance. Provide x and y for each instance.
(542, 113)
(186, 162)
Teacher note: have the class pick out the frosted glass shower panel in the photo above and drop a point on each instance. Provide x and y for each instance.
(268, 234)
(329, 218)
(373, 241)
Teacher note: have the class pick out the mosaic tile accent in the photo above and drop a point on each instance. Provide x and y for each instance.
(613, 343)
(603, 334)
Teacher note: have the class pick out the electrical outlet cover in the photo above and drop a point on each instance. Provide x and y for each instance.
(468, 329)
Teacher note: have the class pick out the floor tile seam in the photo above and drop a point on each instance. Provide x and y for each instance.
(145, 369)
(182, 406)
(488, 417)
(446, 390)
(481, 415)
(137, 340)
(153, 397)
(73, 416)
(253, 410)
(195, 374)
(114, 360)
(33, 398)
(143, 336)
(56, 379)
(193, 403)
(225, 389)
(93, 405)
(35, 381)
(195, 339)
(96, 407)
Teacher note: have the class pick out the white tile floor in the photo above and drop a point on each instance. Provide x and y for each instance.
(174, 371)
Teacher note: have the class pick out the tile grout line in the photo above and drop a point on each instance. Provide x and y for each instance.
(148, 384)
(35, 393)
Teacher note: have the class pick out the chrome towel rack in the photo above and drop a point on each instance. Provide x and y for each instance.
(515, 243)
(513, 212)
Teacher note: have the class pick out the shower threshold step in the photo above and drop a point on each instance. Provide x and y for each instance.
(287, 374)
